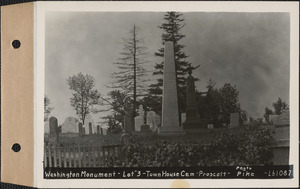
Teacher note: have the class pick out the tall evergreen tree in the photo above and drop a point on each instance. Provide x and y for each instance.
(173, 23)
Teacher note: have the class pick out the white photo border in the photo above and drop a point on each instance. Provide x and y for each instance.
(40, 11)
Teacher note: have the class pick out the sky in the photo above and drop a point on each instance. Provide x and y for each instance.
(249, 50)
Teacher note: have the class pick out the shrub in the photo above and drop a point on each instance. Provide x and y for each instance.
(249, 147)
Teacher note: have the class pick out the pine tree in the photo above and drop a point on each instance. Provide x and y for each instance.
(172, 32)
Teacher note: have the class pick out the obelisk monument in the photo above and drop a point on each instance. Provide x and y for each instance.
(170, 115)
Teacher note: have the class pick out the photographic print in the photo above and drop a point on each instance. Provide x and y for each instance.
(167, 95)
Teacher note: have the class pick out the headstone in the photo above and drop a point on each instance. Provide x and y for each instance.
(141, 110)
(183, 117)
(127, 124)
(170, 113)
(87, 126)
(80, 128)
(151, 120)
(69, 126)
(125, 139)
(46, 127)
(104, 131)
(90, 128)
(210, 126)
(53, 135)
(98, 130)
(193, 120)
(234, 120)
(101, 131)
(139, 120)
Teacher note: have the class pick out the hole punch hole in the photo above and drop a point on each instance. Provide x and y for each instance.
(16, 44)
(16, 147)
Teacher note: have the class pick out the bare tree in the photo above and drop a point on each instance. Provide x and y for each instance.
(130, 77)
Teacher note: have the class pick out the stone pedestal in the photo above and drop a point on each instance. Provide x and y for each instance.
(138, 121)
(193, 120)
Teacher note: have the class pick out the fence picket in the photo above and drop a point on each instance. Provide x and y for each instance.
(59, 155)
(50, 158)
(54, 156)
(79, 155)
(94, 155)
(65, 158)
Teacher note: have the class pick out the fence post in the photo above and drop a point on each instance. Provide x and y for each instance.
(59, 155)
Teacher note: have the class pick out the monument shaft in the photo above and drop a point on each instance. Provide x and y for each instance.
(170, 115)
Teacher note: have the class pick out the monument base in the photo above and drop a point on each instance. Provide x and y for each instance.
(170, 130)
(194, 123)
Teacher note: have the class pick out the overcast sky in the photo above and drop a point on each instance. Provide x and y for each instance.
(249, 50)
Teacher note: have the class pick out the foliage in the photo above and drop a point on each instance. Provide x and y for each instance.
(84, 97)
(114, 126)
(173, 23)
(248, 148)
(47, 108)
(120, 106)
(229, 101)
(279, 106)
(217, 105)
(268, 112)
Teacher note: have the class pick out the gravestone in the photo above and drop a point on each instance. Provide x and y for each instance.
(151, 120)
(69, 126)
(53, 134)
(139, 120)
(127, 124)
(170, 113)
(46, 127)
(234, 120)
(193, 120)
(90, 128)
(210, 126)
(125, 139)
(183, 118)
(104, 131)
(80, 128)
(98, 130)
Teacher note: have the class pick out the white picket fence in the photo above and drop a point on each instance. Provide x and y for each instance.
(82, 155)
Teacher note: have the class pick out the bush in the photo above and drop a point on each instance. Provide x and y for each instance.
(249, 147)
